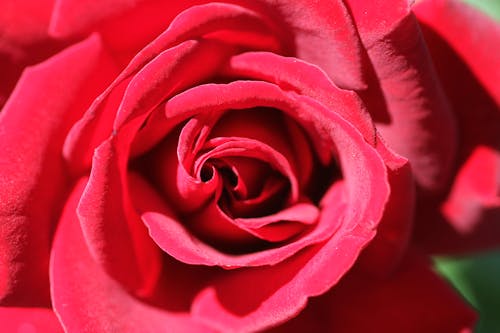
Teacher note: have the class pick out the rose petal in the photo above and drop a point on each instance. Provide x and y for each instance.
(307, 26)
(272, 128)
(266, 300)
(243, 147)
(139, 98)
(241, 95)
(256, 298)
(24, 41)
(181, 188)
(394, 232)
(178, 42)
(470, 33)
(176, 240)
(114, 233)
(476, 191)
(468, 218)
(86, 299)
(458, 37)
(324, 34)
(47, 100)
(24, 320)
(282, 225)
(319, 122)
(25, 21)
(317, 268)
(414, 299)
(293, 73)
(416, 106)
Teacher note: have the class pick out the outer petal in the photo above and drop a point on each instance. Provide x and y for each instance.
(23, 39)
(23, 320)
(417, 109)
(47, 100)
(324, 34)
(473, 35)
(414, 299)
(459, 38)
(86, 299)
(292, 73)
(304, 26)
(176, 51)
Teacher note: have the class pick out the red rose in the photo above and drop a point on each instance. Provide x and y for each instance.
(244, 166)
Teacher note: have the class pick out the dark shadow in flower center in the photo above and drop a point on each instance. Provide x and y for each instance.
(235, 170)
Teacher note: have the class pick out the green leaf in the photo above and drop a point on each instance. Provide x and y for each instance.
(491, 7)
(477, 278)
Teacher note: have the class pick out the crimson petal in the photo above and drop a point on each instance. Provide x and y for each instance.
(416, 105)
(29, 320)
(88, 300)
(47, 100)
(413, 299)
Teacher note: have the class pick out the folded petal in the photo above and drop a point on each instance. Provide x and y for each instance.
(417, 108)
(394, 232)
(87, 299)
(470, 33)
(459, 38)
(115, 234)
(256, 298)
(414, 299)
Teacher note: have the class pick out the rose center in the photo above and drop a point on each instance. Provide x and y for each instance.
(238, 176)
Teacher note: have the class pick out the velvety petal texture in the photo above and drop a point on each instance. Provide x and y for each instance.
(415, 105)
(47, 101)
(78, 281)
(243, 166)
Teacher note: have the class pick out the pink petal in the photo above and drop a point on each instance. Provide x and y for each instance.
(86, 299)
(293, 73)
(47, 100)
(467, 219)
(128, 97)
(25, 320)
(114, 233)
(181, 187)
(475, 192)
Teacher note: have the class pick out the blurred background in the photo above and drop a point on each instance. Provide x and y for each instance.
(477, 277)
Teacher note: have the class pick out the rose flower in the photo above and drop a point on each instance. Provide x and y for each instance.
(243, 166)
